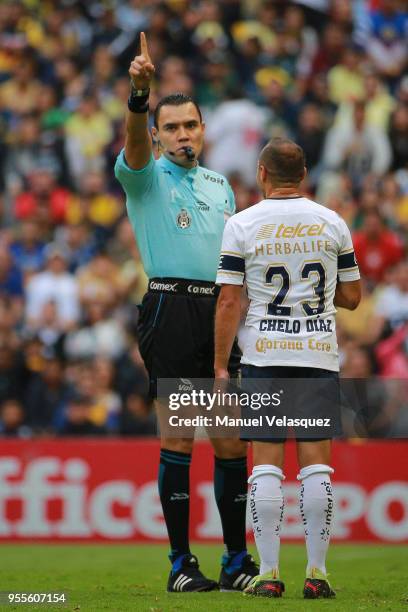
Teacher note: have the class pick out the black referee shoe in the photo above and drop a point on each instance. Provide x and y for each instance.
(239, 578)
(189, 579)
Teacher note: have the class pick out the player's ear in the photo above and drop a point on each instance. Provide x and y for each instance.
(262, 173)
(304, 173)
(155, 135)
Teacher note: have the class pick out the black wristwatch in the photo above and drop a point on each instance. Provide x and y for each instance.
(138, 101)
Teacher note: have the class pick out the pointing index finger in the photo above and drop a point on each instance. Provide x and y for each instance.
(143, 46)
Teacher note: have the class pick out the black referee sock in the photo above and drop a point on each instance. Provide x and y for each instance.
(174, 490)
(230, 487)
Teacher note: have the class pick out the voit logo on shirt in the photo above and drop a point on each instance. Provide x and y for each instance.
(202, 206)
(183, 219)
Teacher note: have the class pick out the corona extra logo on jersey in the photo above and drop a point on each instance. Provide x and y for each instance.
(183, 219)
(264, 344)
(289, 231)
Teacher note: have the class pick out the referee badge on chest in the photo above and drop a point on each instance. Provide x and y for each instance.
(183, 219)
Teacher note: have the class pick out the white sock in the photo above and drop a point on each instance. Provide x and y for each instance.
(316, 508)
(266, 505)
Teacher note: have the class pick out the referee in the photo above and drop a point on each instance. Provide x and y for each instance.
(178, 210)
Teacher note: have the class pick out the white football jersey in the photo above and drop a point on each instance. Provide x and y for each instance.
(290, 252)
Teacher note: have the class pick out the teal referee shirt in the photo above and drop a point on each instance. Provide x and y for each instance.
(178, 216)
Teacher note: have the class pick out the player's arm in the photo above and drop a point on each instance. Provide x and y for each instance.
(348, 294)
(138, 142)
(227, 317)
(348, 288)
(231, 276)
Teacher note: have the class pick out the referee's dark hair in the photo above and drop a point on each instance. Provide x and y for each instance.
(176, 99)
(284, 161)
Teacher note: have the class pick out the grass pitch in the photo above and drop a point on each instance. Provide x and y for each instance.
(133, 577)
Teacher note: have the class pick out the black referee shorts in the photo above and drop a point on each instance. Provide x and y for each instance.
(176, 330)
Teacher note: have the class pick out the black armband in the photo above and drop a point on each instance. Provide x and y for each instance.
(138, 101)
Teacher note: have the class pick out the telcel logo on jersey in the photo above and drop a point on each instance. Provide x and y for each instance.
(290, 231)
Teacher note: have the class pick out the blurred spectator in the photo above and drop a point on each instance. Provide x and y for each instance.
(310, 136)
(19, 95)
(95, 205)
(78, 244)
(360, 325)
(398, 136)
(392, 304)
(27, 155)
(101, 334)
(357, 148)
(387, 42)
(12, 375)
(11, 279)
(107, 403)
(78, 421)
(55, 285)
(44, 201)
(283, 112)
(50, 328)
(379, 104)
(99, 280)
(376, 247)
(46, 395)
(330, 49)
(392, 355)
(123, 251)
(28, 249)
(131, 375)
(345, 79)
(88, 132)
(12, 420)
(318, 94)
(235, 125)
(359, 363)
(138, 418)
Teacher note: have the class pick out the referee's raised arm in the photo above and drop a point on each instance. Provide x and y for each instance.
(138, 142)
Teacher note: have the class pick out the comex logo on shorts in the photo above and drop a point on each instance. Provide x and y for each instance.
(172, 287)
(201, 290)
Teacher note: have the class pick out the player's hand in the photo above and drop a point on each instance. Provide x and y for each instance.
(222, 374)
(141, 69)
(221, 380)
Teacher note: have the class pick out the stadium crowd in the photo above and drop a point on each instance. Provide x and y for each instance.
(328, 73)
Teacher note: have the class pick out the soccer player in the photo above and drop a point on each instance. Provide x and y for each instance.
(298, 262)
(177, 210)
